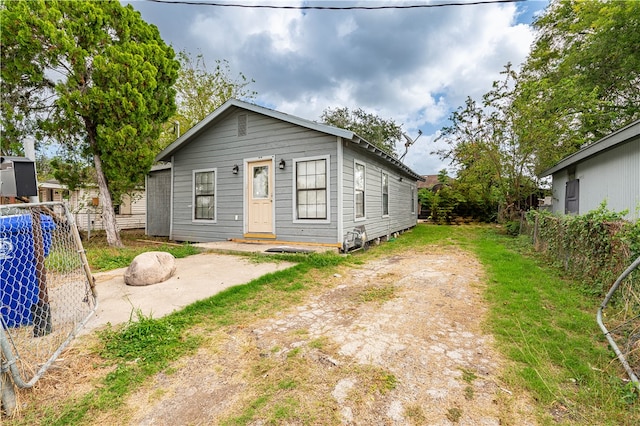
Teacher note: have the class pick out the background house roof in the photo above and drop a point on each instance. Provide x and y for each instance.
(623, 135)
(429, 181)
(183, 140)
(51, 184)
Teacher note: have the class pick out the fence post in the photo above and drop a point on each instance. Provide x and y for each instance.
(535, 232)
(8, 390)
(40, 311)
(8, 361)
(82, 253)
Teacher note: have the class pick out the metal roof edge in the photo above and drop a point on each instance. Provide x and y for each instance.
(313, 125)
(166, 153)
(619, 136)
(158, 167)
(389, 158)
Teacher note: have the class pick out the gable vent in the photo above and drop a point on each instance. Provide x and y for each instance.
(242, 125)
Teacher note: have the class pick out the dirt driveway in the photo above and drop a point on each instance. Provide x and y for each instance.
(395, 341)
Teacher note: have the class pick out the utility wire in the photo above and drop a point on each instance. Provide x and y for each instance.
(308, 7)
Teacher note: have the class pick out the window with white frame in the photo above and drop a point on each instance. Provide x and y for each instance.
(311, 189)
(413, 198)
(359, 173)
(385, 194)
(204, 194)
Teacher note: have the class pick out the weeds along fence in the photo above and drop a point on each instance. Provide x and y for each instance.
(46, 287)
(595, 249)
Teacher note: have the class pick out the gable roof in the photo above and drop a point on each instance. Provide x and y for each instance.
(620, 136)
(212, 118)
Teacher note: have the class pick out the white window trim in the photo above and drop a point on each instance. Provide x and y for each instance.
(383, 174)
(364, 201)
(294, 189)
(215, 196)
(414, 198)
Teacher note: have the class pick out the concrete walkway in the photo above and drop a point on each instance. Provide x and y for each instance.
(197, 277)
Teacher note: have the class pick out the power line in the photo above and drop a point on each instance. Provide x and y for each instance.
(309, 7)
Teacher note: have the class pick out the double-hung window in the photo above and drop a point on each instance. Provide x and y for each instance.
(312, 180)
(204, 194)
(359, 173)
(413, 199)
(385, 194)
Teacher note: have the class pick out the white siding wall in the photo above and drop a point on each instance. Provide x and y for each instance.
(558, 190)
(86, 214)
(612, 175)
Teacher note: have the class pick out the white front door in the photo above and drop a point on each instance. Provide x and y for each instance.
(260, 197)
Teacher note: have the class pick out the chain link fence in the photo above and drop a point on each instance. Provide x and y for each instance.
(619, 319)
(46, 288)
(600, 255)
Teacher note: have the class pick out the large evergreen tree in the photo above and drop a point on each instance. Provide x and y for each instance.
(92, 76)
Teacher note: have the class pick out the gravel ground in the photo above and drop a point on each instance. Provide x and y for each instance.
(413, 319)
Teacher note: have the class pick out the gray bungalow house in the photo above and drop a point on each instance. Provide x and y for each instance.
(249, 173)
(606, 170)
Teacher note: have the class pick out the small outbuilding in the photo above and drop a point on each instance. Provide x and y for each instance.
(606, 170)
(250, 173)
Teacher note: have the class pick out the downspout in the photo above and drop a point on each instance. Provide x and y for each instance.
(340, 195)
(146, 203)
(171, 200)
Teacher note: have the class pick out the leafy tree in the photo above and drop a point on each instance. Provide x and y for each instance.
(94, 77)
(200, 92)
(75, 174)
(487, 150)
(384, 134)
(442, 201)
(581, 80)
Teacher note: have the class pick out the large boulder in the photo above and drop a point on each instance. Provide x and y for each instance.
(151, 267)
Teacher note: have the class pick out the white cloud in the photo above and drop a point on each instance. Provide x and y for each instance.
(414, 66)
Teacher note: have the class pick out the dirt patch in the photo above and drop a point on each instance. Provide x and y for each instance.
(396, 341)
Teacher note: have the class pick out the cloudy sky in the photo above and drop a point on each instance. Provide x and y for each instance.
(414, 66)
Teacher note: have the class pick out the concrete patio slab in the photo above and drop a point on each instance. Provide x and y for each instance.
(197, 277)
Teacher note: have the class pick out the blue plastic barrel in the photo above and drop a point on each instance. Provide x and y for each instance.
(18, 282)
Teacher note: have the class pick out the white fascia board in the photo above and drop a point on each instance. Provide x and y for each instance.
(621, 136)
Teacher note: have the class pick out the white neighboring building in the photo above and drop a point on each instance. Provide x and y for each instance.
(85, 205)
(606, 170)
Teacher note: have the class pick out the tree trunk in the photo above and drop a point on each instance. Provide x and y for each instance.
(108, 215)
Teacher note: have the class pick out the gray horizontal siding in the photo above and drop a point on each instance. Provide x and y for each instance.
(219, 147)
(401, 215)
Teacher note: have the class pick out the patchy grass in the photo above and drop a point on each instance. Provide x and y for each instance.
(546, 326)
(101, 257)
(378, 294)
(107, 258)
